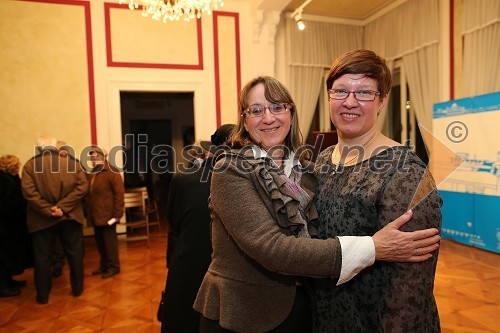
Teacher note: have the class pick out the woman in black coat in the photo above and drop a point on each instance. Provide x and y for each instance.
(14, 237)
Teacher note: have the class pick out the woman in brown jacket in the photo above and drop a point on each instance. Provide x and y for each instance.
(263, 226)
(105, 209)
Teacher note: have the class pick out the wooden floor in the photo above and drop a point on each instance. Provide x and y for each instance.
(467, 291)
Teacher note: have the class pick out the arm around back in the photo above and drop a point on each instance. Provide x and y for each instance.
(74, 187)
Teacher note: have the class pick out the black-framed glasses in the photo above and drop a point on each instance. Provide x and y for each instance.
(258, 110)
(360, 95)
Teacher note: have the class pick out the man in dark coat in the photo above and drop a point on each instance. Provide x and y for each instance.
(189, 246)
(54, 186)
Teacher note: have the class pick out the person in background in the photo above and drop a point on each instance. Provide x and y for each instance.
(13, 231)
(54, 187)
(105, 209)
(365, 181)
(189, 248)
(261, 204)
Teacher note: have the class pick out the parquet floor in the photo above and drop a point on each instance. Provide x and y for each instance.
(126, 302)
(467, 291)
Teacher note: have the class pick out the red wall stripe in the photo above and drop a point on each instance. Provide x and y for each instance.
(216, 15)
(238, 60)
(216, 70)
(90, 66)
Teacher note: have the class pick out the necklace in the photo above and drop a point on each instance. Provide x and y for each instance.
(362, 149)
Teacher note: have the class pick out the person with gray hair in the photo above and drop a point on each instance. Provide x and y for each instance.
(54, 187)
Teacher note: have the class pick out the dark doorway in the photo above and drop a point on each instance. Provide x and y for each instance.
(153, 125)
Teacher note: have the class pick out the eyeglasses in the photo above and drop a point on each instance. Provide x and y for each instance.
(360, 95)
(257, 110)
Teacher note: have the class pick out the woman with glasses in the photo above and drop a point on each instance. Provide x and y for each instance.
(365, 181)
(261, 206)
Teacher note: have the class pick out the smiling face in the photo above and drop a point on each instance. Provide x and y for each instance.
(269, 130)
(351, 117)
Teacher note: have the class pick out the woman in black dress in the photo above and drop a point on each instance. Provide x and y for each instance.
(364, 181)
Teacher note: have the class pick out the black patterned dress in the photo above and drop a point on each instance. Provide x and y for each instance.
(359, 200)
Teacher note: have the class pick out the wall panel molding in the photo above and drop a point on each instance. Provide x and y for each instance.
(126, 47)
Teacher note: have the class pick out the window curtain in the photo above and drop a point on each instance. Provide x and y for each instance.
(421, 69)
(481, 47)
(307, 54)
(411, 32)
(305, 88)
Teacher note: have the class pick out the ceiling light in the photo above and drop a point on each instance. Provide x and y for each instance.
(297, 14)
(300, 24)
(173, 10)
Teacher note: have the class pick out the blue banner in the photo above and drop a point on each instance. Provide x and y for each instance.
(471, 194)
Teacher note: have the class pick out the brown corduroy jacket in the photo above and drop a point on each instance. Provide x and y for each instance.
(52, 180)
(105, 198)
(249, 286)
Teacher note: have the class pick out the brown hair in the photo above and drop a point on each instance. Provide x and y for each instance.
(362, 62)
(10, 164)
(275, 92)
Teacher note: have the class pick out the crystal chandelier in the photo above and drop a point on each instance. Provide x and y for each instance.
(174, 10)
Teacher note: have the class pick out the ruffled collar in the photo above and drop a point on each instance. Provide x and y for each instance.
(288, 164)
(292, 204)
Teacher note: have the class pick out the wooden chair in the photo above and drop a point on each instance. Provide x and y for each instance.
(136, 216)
(151, 206)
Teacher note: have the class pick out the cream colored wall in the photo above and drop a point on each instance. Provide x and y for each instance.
(44, 69)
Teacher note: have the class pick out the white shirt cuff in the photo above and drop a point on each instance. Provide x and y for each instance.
(358, 252)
